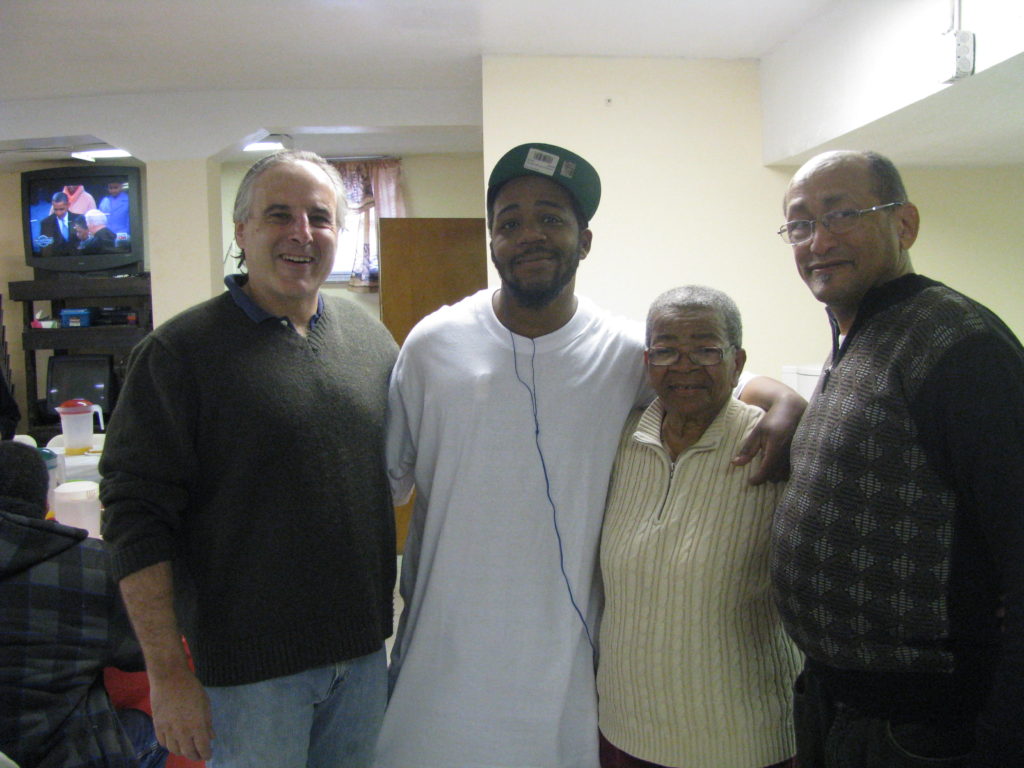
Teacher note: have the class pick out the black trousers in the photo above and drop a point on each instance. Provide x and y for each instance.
(830, 734)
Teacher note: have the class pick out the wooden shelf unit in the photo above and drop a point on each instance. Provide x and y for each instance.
(72, 292)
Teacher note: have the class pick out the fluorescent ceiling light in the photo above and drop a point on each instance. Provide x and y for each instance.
(92, 155)
(263, 146)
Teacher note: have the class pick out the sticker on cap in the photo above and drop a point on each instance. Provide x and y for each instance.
(541, 162)
(568, 169)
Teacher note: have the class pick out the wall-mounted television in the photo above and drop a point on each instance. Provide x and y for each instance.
(83, 219)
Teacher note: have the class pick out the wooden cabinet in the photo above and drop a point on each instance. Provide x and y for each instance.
(73, 292)
(427, 263)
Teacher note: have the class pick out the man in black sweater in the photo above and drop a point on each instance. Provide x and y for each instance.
(899, 544)
(245, 458)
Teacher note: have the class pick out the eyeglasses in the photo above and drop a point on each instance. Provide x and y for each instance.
(836, 222)
(663, 356)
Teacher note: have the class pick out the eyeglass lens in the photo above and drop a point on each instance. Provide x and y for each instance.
(662, 356)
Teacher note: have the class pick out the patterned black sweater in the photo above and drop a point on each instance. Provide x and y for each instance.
(900, 539)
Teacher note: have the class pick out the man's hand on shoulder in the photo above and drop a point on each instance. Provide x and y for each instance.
(774, 432)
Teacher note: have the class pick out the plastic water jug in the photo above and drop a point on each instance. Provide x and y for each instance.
(76, 424)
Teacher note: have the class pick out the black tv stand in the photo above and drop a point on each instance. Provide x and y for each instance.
(115, 273)
(66, 291)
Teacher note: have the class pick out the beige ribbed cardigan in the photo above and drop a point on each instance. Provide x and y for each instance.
(695, 669)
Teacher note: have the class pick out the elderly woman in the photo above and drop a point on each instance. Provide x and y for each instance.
(695, 669)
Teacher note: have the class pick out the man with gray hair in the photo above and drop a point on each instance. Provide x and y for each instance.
(245, 458)
(94, 234)
(898, 557)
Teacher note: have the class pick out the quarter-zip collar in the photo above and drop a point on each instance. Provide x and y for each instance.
(877, 299)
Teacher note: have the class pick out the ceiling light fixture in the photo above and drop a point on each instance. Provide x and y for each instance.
(263, 146)
(92, 155)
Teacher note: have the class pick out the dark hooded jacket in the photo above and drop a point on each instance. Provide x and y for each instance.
(61, 623)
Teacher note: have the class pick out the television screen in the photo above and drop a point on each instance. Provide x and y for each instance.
(83, 219)
(87, 376)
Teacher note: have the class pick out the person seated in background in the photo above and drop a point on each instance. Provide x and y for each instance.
(695, 667)
(61, 623)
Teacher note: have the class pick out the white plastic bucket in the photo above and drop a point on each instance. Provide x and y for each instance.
(78, 504)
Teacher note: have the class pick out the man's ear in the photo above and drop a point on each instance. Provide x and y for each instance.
(586, 236)
(740, 356)
(908, 219)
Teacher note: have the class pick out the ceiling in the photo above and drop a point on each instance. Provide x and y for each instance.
(117, 47)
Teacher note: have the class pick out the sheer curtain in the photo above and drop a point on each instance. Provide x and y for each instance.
(372, 191)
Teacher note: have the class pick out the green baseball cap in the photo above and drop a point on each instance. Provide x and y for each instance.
(563, 167)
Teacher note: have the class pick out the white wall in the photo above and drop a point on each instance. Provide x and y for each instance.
(865, 59)
(686, 197)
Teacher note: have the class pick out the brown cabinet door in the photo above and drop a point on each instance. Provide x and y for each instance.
(427, 263)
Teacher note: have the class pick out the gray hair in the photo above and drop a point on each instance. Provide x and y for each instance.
(96, 217)
(888, 183)
(243, 198)
(699, 297)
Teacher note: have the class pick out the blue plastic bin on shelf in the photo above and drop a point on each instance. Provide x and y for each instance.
(75, 318)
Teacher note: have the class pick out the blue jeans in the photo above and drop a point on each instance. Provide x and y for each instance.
(830, 734)
(138, 727)
(321, 718)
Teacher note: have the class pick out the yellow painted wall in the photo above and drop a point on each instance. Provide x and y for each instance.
(182, 234)
(972, 234)
(443, 186)
(686, 198)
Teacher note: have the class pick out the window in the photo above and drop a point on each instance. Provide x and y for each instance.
(372, 191)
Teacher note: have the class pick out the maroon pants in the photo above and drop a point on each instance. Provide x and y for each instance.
(613, 757)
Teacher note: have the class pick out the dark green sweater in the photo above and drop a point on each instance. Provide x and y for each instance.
(252, 457)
